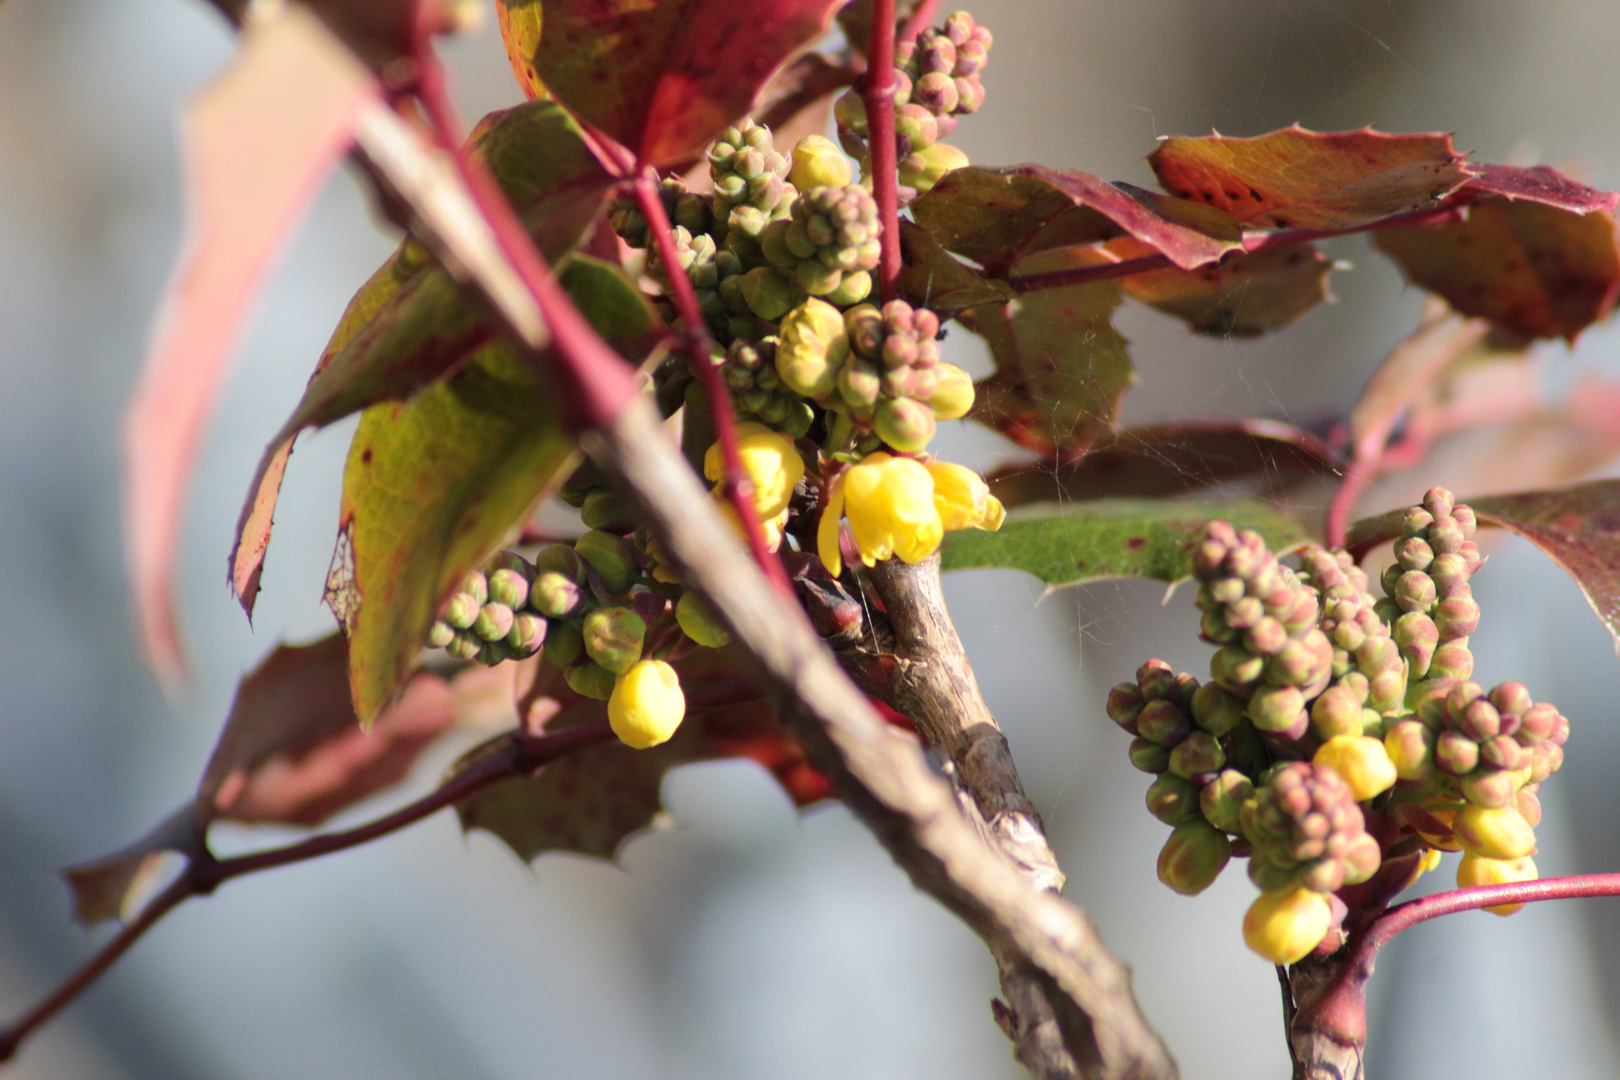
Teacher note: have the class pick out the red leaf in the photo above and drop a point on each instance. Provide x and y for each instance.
(664, 77)
(1531, 268)
(1299, 179)
(1541, 184)
(999, 216)
(1244, 295)
(1164, 460)
(257, 144)
(1578, 526)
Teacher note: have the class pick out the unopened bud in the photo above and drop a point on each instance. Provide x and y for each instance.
(1149, 756)
(817, 162)
(1456, 753)
(1276, 708)
(494, 622)
(1222, 799)
(1196, 755)
(1475, 870)
(1361, 761)
(767, 293)
(1285, 926)
(528, 633)
(1414, 591)
(461, 611)
(440, 634)
(590, 680)
(1491, 789)
(612, 557)
(1193, 857)
(1417, 636)
(1456, 617)
(813, 344)
(923, 169)
(1410, 747)
(613, 637)
(700, 622)
(1495, 833)
(904, 423)
(1215, 710)
(1452, 661)
(1163, 722)
(1125, 705)
(564, 643)
(509, 587)
(1336, 712)
(1172, 799)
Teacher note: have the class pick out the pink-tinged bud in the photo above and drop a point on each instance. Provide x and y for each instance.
(1157, 681)
(1163, 722)
(1197, 755)
(1284, 927)
(1452, 661)
(1491, 789)
(1413, 553)
(1276, 708)
(1216, 711)
(1537, 724)
(1125, 705)
(1494, 833)
(1222, 799)
(1172, 799)
(1193, 857)
(1414, 591)
(1456, 753)
(1410, 747)
(1528, 806)
(1149, 756)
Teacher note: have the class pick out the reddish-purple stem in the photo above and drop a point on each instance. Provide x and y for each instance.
(596, 381)
(521, 756)
(1359, 473)
(734, 483)
(877, 92)
(1053, 279)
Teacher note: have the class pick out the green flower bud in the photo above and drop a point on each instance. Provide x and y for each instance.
(477, 586)
(1193, 857)
(859, 383)
(1266, 637)
(1492, 789)
(1537, 724)
(590, 680)
(561, 559)
(1417, 637)
(799, 420)
(605, 510)
(612, 557)
(1163, 722)
(528, 633)
(813, 344)
(953, 392)
(1196, 755)
(464, 646)
(1361, 860)
(849, 111)
(1276, 708)
(555, 595)
(1172, 799)
(936, 92)
(1414, 591)
(440, 634)
(1222, 799)
(1271, 878)
(853, 288)
(700, 622)
(1237, 670)
(1452, 661)
(1300, 662)
(1502, 752)
(923, 169)
(904, 423)
(461, 610)
(1413, 553)
(917, 126)
(1125, 705)
(1456, 617)
(494, 622)
(1215, 710)
(767, 293)
(564, 643)
(509, 587)
(614, 637)
(1456, 753)
(1150, 757)
(1336, 712)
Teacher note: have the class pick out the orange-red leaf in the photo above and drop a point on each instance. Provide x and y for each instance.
(1299, 179)
(664, 77)
(520, 34)
(257, 144)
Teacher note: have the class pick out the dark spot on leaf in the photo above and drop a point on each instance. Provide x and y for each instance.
(1136, 543)
(1253, 194)
(365, 456)
(1232, 196)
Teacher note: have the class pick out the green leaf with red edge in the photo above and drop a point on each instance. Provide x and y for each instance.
(998, 216)
(1299, 179)
(664, 77)
(592, 801)
(291, 753)
(931, 278)
(1530, 267)
(1061, 367)
(1161, 460)
(410, 324)
(1242, 296)
(519, 21)
(1578, 526)
(434, 484)
(1110, 538)
(1542, 184)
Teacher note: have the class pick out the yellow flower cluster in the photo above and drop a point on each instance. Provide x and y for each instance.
(898, 506)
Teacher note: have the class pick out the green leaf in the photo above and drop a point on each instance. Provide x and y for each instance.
(1061, 367)
(411, 323)
(1242, 296)
(931, 278)
(1532, 269)
(1578, 526)
(1162, 460)
(1110, 538)
(1299, 179)
(996, 217)
(433, 484)
(664, 77)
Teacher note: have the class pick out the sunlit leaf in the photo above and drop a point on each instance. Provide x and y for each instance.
(1110, 538)
(931, 278)
(664, 77)
(1578, 526)
(1531, 268)
(433, 484)
(997, 217)
(1061, 367)
(519, 21)
(258, 142)
(411, 323)
(1299, 179)
(1170, 459)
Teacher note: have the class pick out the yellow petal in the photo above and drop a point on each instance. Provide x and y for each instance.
(827, 529)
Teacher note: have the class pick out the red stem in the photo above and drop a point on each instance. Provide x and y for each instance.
(734, 483)
(1409, 914)
(596, 381)
(1027, 283)
(1359, 474)
(877, 92)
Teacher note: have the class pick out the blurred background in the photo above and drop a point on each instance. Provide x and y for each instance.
(749, 942)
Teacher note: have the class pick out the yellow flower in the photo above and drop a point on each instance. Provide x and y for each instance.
(647, 704)
(770, 462)
(890, 505)
(774, 526)
(1494, 833)
(953, 392)
(1475, 870)
(1362, 761)
(813, 345)
(817, 162)
(1285, 926)
(963, 500)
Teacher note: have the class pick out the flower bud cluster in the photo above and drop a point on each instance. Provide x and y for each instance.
(749, 370)
(1272, 654)
(688, 210)
(827, 245)
(1429, 602)
(489, 618)
(1307, 830)
(751, 185)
